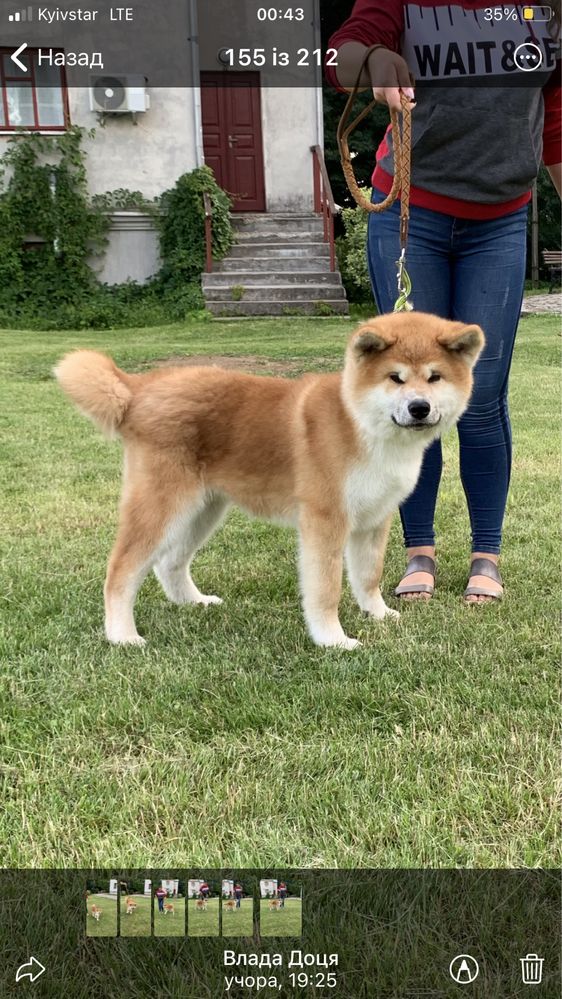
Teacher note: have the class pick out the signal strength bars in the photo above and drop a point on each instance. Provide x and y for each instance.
(22, 15)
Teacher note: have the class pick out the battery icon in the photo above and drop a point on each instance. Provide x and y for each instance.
(537, 13)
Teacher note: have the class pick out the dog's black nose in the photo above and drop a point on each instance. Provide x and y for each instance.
(419, 409)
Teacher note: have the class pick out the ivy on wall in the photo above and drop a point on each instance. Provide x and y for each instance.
(182, 225)
(50, 228)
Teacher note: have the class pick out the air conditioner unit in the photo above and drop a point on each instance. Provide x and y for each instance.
(119, 94)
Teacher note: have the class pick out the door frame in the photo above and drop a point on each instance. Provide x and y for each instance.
(234, 79)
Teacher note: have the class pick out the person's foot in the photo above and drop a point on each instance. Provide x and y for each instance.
(484, 576)
(418, 581)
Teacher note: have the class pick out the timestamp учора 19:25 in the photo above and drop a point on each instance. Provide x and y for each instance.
(246, 58)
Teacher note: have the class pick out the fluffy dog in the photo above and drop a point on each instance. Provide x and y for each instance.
(333, 455)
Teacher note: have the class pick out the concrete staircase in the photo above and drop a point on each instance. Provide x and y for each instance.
(279, 266)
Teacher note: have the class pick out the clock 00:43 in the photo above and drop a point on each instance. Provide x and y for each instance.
(278, 14)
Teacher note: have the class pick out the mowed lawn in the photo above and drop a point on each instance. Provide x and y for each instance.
(170, 924)
(230, 739)
(203, 922)
(106, 925)
(137, 923)
(286, 922)
(238, 922)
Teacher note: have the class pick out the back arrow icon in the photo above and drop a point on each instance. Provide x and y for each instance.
(32, 970)
(14, 58)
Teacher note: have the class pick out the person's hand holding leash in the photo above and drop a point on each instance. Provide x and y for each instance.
(390, 77)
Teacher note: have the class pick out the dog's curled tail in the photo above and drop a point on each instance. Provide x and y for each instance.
(97, 386)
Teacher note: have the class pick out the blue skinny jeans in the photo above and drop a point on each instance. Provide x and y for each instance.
(472, 271)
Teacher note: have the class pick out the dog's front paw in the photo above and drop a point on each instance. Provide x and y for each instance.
(389, 612)
(338, 642)
(126, 640)
(378, 610)
(206, 600)
(348, 644)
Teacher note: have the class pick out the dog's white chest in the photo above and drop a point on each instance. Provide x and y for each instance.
(376, 486)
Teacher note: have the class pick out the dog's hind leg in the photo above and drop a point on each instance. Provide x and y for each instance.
(130, 561)
(185, 536)
(365, 559)
(148, 512)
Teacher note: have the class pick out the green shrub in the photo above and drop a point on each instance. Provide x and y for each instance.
(352, 255)
(125, 305)
(43, 194)
(182, 226)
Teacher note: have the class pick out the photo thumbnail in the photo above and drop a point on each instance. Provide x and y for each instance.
(237, 905)
(203, 905)
(101, 908)
(169, 907)
(135, 896)
(280, 907)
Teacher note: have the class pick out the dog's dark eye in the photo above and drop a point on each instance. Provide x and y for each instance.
(434, 378)
(396, 378)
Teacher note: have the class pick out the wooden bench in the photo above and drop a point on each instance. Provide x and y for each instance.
(553, 260)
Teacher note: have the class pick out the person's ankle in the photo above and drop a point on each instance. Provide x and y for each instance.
(421, 550)
(493, 557)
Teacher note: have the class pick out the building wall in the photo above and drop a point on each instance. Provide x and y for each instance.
(133, 251)
(289, 128)
(148, 156)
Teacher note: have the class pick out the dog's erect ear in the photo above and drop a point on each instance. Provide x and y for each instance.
(466, 341)
(372, 338)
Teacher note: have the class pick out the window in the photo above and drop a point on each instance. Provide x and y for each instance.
(35, 99)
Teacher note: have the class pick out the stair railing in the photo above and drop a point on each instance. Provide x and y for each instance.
(324, 203)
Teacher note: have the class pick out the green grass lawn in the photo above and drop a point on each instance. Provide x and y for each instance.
(106, 925)
(137, 923)
(286, 922)
(203, 922)
(238, 922)
(232, 740)
(168, 925)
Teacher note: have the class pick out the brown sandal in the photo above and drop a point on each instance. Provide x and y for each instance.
(483, 567)
(419, 563)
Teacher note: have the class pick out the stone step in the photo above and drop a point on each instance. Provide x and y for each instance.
(250, 279)
(318, 307)
(278, 293)
(286, 249)
(265, 216)
(295, 265)
(270, 223)
(233, 265)
(285, 238)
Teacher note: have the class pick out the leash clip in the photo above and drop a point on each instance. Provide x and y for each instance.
(404, 284)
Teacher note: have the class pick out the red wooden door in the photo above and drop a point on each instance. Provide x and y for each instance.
(232, 136)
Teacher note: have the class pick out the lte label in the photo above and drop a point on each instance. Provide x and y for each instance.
(121, 14)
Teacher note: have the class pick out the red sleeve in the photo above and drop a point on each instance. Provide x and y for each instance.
(552, 134)
(371, 22)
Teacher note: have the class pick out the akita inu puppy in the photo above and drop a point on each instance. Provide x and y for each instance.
(333, 455)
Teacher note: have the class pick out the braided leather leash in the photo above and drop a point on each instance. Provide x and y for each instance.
(402, 142)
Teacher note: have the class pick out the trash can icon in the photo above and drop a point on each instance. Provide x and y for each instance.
(531, 969)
